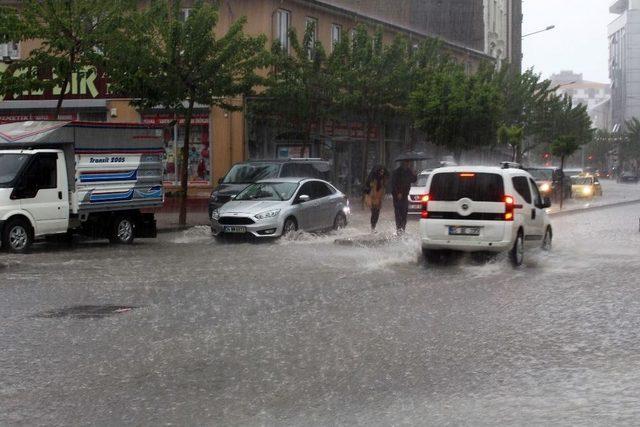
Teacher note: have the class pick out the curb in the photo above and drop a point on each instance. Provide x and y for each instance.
(594, 208)
(174, 229)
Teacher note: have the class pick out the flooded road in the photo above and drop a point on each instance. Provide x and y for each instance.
(189, 331)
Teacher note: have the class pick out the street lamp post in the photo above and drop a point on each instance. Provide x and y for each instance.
(549, 28)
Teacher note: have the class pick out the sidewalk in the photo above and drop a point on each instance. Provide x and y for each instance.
(613, 194)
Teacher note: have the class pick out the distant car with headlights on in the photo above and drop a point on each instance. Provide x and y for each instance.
(549, 182)
(585, 186)
(276, 207)
(417, 192)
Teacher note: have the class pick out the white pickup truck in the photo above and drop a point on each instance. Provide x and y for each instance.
(60, 177)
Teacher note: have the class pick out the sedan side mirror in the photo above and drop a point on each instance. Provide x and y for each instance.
(220, 180)
(303, 198)
(546, 203)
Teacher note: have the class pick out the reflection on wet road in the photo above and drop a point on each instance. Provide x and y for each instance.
(306, 332)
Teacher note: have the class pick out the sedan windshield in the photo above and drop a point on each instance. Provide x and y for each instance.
(582, 181)
(422, 181)
(541, 174)
(271, 191)
(249, 173)
(10, 165)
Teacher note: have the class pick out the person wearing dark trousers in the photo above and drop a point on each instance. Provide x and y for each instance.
(401, 181)
(374, 192)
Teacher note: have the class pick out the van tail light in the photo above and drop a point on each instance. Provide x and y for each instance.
(510, 208)
(425, 202)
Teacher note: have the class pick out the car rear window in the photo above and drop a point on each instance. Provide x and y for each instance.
(479, 187)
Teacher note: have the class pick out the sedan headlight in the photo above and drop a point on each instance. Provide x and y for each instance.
(545, 188)
(587, 191)
(215, 215)
(268, 214)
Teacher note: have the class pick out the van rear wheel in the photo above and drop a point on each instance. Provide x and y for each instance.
(516, 255)
(17, 236)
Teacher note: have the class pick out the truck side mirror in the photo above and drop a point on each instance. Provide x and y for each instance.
(546, 203)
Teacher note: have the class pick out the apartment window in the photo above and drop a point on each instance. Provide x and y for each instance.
(184, 14)
(311, 23)
(10, 50)
(336, 34)
(283, 25)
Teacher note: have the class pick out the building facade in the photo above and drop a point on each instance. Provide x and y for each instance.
(221, 138)
(594, 95)
(503, 30)
(624, 62)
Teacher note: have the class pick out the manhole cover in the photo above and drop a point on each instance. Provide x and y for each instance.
(87, 311)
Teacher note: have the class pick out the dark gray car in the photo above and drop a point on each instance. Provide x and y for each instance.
(243, 174)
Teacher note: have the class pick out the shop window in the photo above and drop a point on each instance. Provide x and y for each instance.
(199, 158)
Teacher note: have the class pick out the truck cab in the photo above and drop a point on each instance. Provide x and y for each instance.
(34, 192)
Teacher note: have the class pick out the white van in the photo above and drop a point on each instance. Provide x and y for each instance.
(484, 209)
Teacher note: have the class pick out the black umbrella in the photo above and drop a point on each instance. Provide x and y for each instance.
(412, 156)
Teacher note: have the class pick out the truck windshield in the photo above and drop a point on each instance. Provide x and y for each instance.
(249, 173)
(10, 165)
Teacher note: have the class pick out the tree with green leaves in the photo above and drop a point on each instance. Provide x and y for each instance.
(368, 79)
(72, 34)
(525, 98)
(300, 88)
(629, 148)
(563, 147)
(512, 136)
(598, 149)
(456, 110)
(163, 60)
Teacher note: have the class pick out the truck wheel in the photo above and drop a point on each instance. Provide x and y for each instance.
(122, 231)
(17, 236)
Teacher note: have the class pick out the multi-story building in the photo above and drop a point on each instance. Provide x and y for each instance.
(594, 95)
(503, 30)
(624, 62)
(494, 26)
(221, 138)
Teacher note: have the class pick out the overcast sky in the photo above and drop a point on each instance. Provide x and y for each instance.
(578, 43)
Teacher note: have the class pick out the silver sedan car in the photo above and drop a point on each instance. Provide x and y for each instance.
(275, 207)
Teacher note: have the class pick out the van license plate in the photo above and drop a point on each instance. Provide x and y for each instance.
(464, 231)
(234, 229)
(416, 206)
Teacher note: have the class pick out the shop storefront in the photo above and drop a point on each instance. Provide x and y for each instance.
(199, 159)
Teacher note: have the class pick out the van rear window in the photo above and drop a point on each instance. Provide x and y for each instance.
(479, 187)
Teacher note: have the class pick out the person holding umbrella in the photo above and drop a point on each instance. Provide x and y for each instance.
(374, 192)
(401, 181)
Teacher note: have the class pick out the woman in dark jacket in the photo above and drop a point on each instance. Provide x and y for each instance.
(374, 192)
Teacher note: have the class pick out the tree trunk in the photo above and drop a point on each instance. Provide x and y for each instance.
(184, 180)
(62, 94)
(561, 181)
(365, 157)
(67, 79)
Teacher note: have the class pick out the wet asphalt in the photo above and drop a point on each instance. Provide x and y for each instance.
(185, 330)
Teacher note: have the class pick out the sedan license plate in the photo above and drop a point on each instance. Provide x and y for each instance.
(234, 229)
(416, 206)
(464, 231)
